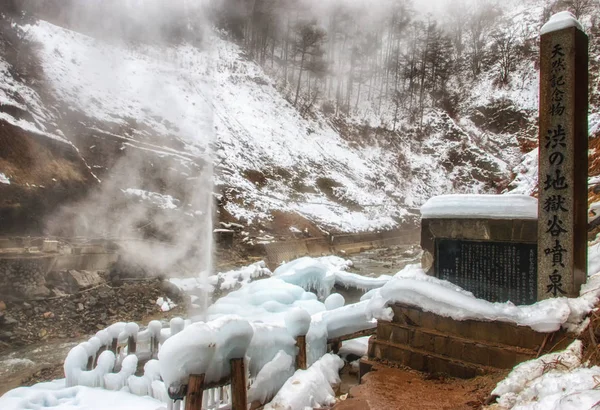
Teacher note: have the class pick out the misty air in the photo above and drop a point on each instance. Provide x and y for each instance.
(299, 204)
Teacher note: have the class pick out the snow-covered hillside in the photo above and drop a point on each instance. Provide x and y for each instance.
(172, 107)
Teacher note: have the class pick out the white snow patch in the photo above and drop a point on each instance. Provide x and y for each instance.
(4, 179)
(242, 276)
(554, 381)
(357, 347)
(561, 21)
(165, 303)
(56, 396)
(161, 200)
(481, 206)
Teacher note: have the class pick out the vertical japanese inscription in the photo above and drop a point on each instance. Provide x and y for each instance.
(562, 201)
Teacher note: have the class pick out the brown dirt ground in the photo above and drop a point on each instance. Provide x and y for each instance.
(400, 389)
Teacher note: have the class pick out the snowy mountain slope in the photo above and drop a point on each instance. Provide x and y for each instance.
(150, 117)
(527, 19)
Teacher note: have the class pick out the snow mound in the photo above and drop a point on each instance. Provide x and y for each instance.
(554, 381)
(57, 396)
(265, 300)
(413, 287)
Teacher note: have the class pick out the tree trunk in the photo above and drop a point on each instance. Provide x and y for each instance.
(299, 78)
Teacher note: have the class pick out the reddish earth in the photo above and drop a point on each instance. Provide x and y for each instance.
(397, 389)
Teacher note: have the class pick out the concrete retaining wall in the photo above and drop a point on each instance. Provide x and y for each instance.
(279, 252)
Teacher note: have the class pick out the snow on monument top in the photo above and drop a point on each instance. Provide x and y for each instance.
(560, 21)
(480, 206)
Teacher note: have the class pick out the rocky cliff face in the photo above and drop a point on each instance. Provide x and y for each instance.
(118, 139)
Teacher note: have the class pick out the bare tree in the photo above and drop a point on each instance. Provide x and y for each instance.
(578, 7)
(479, 27)
(309, 41)
(504, 49)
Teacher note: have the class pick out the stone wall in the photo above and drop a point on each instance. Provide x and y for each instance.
(24, 276)
(26, 266)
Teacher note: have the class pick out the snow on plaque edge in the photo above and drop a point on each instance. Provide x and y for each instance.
(413, 287)
(480, 206)
(560, 21)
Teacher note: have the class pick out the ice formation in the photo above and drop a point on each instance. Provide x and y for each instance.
(116, 381)
(266, 300)
(271, 377)
(309, 388)
(142, 385)
(297, 321)
(347, 319)
(204, 348)
(309, 274)
(268, 340)
(334, 301)
(412, 286)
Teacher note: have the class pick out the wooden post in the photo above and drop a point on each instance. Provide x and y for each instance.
(563, 158)
(131, 345)
(195, 389)
(154, 347)
(113, 345)
(239, 395)
(301, 358)
(98, 353)
(90, 363)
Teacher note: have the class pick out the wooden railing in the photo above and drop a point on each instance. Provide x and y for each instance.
(232, 389)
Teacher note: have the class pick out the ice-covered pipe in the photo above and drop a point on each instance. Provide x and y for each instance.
(116, 381)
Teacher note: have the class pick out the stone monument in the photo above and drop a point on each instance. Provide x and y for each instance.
(486, 244)
(563, 158)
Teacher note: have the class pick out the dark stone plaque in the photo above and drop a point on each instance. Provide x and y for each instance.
(494, 271)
